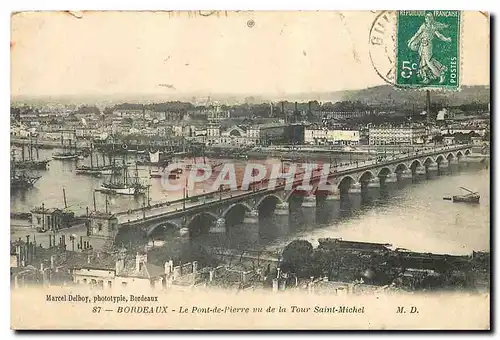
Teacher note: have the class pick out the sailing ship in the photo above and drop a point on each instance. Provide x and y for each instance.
(471, 197)
(124, 185)
(67, 154)
(30, 163)
(21, 180)
(98, 170)
(154, 158)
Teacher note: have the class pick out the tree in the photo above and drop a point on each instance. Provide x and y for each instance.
(297, 258)
(437, 139)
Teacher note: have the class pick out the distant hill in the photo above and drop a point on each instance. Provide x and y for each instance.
(384, 95)
(387, 95)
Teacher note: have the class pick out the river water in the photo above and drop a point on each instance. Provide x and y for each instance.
(411, 215)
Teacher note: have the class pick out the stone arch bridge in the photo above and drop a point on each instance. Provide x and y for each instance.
(327, 183)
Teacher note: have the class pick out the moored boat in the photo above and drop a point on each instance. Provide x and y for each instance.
(31, 165)
(123, 186)
(466, 198)
(63, 156)
(471, 197)
(22, 181)
(118, 189)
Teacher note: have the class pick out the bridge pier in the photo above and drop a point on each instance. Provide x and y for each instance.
(406, 174)
(333, 195)
(282, 209)
(309, 201)
(442, 167)
(391, 178)
(420, 171)
(453, 162)
(433, 167)
(219, 226)
(374, 183)
(355, 188)
(251, 216)
(431, 170)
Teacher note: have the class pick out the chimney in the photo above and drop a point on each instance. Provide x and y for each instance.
(119, 266)
(28, 250)
(169, 267)
(31, 248)
(428, 105)
(275, 285)
(52, 261)
(18, 253)
(140, 260)
(176, 272)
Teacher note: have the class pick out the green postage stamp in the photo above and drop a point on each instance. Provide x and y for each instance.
(428, 49)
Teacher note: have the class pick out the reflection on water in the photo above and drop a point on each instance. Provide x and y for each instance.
(410, 215)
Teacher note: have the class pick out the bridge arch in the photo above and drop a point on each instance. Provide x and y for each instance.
(440, 159)
(428, 161)
(267, 204)
(384, 172)
(236, 205)
(459, 154)
(345, 183)
(400, 167)
(450, 156)
(268, 197)
(200, 223)
(235, 213)
(366, 176)
(467, 152)
(161, 228)
(415, 164)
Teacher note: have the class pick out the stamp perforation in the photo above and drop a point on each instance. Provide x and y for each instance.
(434, 87)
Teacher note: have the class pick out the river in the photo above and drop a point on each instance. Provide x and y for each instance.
(407, 215)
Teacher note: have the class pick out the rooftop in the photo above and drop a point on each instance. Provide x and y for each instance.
(147, 270)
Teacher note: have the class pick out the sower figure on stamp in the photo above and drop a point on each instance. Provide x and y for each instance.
(429, 67)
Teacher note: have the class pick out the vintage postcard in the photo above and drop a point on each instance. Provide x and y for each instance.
(250, 170)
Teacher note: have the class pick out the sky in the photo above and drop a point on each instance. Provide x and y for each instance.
(55, 53)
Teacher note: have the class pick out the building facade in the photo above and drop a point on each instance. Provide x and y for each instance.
(391, 135)
(324, 136)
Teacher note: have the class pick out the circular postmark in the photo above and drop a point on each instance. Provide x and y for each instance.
(382, 45)
(250, 23)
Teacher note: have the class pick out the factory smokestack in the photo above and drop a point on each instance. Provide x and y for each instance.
(428, 105)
